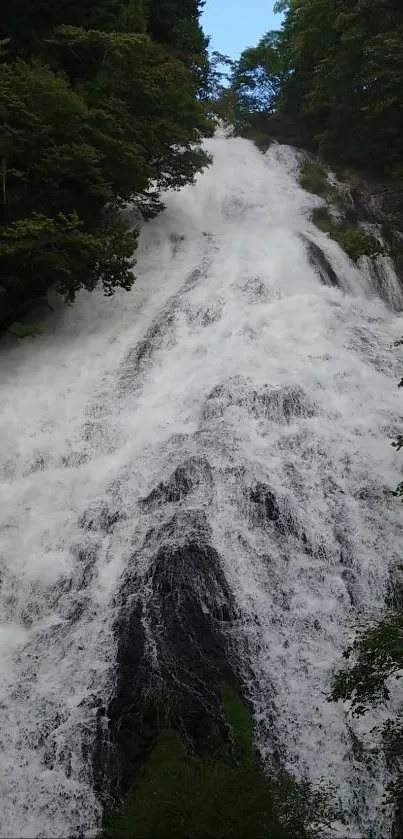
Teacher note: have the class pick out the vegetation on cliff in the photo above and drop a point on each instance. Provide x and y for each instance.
(334, 73)
(199, 791)
(330, 81)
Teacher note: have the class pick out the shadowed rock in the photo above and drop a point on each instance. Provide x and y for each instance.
(172, 648)
(322, 265)
(264, 504)
(183, 481)
(99, 517)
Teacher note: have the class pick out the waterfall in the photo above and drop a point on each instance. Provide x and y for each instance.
(194, 477)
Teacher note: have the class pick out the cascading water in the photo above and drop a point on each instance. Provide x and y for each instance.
(206, 456)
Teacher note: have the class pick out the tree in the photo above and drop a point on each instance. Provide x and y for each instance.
(94, 114)
(176, 25)
(29, 23)
(146, 89)
(258, 75)
(336, 71)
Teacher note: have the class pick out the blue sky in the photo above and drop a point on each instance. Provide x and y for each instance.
(236, 24)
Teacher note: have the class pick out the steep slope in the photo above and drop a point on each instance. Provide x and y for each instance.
(194, 483)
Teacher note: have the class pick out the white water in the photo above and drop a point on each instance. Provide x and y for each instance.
(223, 274)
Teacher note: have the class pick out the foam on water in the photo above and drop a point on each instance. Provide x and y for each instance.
(229, 350)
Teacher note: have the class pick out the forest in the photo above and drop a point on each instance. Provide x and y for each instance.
(332, 79)
(101, 103)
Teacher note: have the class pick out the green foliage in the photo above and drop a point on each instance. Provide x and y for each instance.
(48, 150)
(94, 114)
(259, 138)
(313, 178)
(180, 794)
(257, 77)
(336, 71)
(219, 97)
(39, 251)
(351, 237)
(150, 92)
(378, 655)
(29, 23)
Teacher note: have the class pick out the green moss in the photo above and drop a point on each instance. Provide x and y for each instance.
(239, 720)
(356, 243)
(195, 796)
(313, 178)
(21, 330)
(323, 220)
(349, 235)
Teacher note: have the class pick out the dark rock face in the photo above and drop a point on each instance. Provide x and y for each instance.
(264, 504)
(380, 201)
(377, 199)
(173, 648)
(183, 481)
(319, 261)
(100, 517)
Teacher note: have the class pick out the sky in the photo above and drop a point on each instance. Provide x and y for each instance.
(236, 24)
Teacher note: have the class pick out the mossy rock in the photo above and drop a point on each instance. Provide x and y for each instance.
(321, 217)
(349, 235)
(313, 178)
(185, 795)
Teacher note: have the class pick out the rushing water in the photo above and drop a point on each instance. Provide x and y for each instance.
(242, 396)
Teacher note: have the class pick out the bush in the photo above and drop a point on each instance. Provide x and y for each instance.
(38, 252)
(351, 237)
(313, 178)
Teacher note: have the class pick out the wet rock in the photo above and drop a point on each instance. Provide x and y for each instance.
(350, 581)
(153, 339)
(173, 648)
(278, 404)
(37, 465)
(293, 402)
(86, 558)
(99, 517)
(265, 506)
(211, 313)
(322, 265)
(140, 357)
(183, 481)
(380, 201)
(185, 525)
(265, 509)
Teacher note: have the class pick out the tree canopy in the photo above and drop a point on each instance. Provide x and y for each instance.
(99, 105)
(336, 71)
